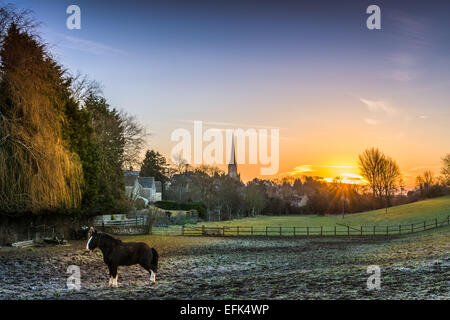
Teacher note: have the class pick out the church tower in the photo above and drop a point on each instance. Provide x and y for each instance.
(232, 167)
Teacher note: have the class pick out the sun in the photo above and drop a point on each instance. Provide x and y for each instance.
(349, 178)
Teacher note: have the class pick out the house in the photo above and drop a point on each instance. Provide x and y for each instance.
(297, 201)
(145, 188)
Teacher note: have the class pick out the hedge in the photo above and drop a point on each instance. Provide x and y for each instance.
(174, 205)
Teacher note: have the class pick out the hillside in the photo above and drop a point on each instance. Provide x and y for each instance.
(405, 214)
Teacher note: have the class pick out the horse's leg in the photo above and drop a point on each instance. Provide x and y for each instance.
(152, 276)
(147, 266)
(110, 276)
(115, 276)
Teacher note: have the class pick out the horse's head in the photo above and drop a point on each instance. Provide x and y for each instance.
(93, 237)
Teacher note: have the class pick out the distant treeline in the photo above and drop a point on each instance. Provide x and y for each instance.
(228, 198)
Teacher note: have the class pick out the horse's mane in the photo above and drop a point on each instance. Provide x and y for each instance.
(108, 237)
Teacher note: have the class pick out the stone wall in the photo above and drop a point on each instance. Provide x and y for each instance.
(36, 227)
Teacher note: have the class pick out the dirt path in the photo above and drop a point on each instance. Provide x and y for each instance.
(417, 267)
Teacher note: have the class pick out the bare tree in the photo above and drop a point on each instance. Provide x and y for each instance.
(371, 163)
(135, 140)
(390, 176)
(82, 87)
(181, 165)
(381, 172)
(446, 168)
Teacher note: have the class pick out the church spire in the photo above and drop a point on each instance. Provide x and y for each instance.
(233, 153)
(232, 167)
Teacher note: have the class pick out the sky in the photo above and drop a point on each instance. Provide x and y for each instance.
(312, 69)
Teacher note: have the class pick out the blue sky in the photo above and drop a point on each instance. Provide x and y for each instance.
(311, 68)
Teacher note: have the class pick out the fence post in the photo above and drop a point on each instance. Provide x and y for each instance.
(295, 228)
(280, 231)
(412, 227)
(307, 231)
(321, 230)
(424, 225)
(387, 230)
(348, 230)
(182, 230)
(237, 230)
(374, 231)
(334, 229)
(203, 230)
(252, 230)
(400, 229)
(436, 223)
(266, 230)
(361, 230)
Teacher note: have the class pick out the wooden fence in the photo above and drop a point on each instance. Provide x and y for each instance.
(138, 221)
(336, 230)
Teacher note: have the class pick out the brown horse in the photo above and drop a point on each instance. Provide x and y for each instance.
(117, 253)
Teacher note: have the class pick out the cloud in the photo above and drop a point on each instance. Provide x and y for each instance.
(371, 122)
(230, 125)
(412, 28)
(400, 75)
(424, 168)
(400, 136)
(403, 59)
(89, 46)
(301, 169)
(334, 166)
(378, 107)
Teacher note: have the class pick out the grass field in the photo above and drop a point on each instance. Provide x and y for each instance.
(405, 214)
(415, 266)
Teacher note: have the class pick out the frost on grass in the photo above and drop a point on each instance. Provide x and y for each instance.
(413, 267)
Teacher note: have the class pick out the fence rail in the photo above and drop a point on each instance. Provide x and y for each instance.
(124, 222)
(336, 230)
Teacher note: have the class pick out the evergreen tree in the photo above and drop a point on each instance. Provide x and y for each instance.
(109, 142)
(154, 165)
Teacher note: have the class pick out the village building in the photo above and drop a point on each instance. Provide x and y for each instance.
(145, 188)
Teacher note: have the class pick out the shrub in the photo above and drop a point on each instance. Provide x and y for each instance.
(200, 207)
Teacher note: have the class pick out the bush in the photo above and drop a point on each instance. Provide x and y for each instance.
(200, 207)
(139, 204)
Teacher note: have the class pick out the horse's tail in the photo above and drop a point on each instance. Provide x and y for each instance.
(154, 262)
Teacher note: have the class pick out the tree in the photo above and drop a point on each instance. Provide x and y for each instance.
(78, 131)
(108, 138)
(390, 176)
(381, 172)
(371, 165)
(134, 135)
(255, 198)
(37, 169)
(446, 168)
(154, 165)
